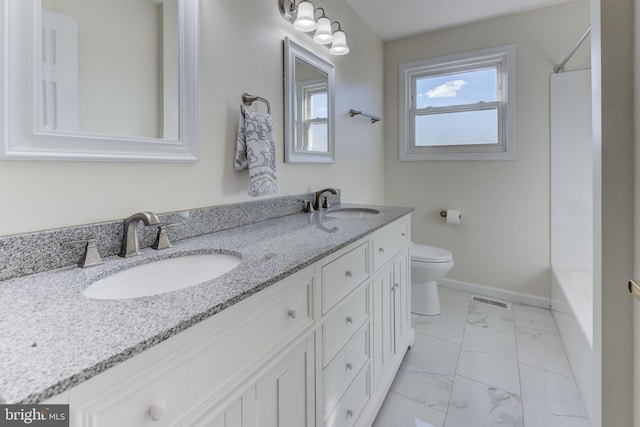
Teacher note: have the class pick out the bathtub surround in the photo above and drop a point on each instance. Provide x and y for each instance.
(572, 221)
(30, 253)
(572, 309)
(571, 171)
(46, 320)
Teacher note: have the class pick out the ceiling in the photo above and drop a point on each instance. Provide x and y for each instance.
(395, 19)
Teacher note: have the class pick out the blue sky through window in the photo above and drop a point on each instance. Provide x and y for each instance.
(319, 105)
(454, 89)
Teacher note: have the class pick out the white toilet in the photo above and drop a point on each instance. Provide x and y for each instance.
(428, 264)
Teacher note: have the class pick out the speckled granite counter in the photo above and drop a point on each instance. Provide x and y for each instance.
(52, 337)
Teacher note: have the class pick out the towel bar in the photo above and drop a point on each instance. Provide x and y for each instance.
(373, 118)
(248, 100)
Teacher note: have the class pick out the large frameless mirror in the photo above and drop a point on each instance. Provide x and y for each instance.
(100, 80)
(309, 106)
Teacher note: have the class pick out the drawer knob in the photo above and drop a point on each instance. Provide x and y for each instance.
(349, 319)
(349, 366)
(293, 314)
(349, 413)
(348, 273)
(157, 411)
(381, 250)
(404, 234)
(396, 285)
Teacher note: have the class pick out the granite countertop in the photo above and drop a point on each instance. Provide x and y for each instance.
(53, 338)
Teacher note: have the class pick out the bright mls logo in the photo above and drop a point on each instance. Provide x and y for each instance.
(34, 415)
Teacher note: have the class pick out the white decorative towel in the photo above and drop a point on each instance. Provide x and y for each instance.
(256, 151)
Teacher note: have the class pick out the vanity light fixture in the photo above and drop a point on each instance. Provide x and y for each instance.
(323, 34)
(339, 45)
(303, 17)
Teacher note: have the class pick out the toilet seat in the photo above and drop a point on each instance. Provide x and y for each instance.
(426, 253)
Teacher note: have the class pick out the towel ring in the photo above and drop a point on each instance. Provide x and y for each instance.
(248, 100)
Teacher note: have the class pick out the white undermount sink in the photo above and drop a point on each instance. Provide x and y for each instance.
(162, 276)
(352, 213)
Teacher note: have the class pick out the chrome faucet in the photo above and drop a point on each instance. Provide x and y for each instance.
(319, 193)
(130, 245)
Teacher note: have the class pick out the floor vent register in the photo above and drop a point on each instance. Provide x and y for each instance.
(493, 303)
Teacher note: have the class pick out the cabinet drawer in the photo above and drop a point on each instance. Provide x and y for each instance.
(342, 275)
(342, 324)
(348, 409)
(389, 240)
(344, 366)
(194, 377)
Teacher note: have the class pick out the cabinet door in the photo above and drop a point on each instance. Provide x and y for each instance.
(285, 396)
(383, 322)
(231, 417)
(402, 294)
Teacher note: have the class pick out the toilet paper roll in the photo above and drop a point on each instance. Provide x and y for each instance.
(453, 217)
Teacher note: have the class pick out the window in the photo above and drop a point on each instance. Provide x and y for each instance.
(459, 107)
(314, 126)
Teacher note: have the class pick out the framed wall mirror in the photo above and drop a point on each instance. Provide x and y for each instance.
(100, 80)
(309, 106)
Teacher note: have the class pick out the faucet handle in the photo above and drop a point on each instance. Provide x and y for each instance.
(309, 207)
(162, 240)
(91, 256)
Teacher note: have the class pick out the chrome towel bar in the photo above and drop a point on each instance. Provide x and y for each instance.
(373, 118)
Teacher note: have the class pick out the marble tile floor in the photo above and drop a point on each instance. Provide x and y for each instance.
(476, 365)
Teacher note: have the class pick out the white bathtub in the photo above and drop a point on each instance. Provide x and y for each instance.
(572, 308)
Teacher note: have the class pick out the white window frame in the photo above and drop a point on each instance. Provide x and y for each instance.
(503, 58)
(308, 89)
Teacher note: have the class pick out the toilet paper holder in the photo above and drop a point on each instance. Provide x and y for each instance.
(443, 214)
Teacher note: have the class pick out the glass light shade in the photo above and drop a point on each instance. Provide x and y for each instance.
(305, 20)
(339, 46)
(323, 31)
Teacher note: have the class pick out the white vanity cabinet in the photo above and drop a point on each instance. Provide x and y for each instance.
(366, 329)
(319, 348)
(193, 376)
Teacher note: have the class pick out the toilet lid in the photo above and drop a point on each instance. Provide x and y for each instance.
(430, 254)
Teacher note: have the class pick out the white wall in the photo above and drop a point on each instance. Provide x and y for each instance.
(241, 50)
(503, 241)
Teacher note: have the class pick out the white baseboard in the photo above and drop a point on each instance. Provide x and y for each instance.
(518, 297)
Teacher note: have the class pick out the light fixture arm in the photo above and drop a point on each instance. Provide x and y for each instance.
(321, 16)
(288, 9)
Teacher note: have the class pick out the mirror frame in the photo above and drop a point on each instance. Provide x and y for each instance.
(22, 140)
(293, 51)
